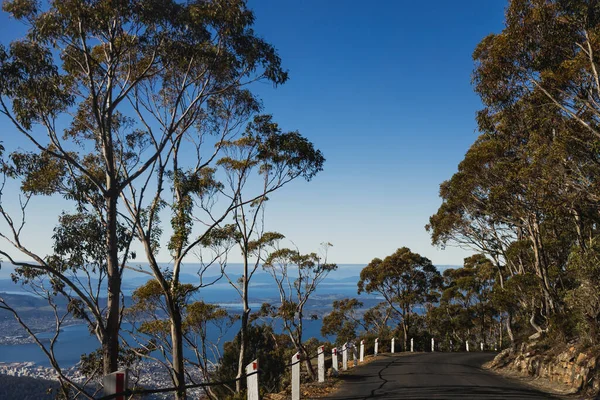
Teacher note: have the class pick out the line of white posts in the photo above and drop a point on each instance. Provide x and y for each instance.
(252, 368)
(117, 382)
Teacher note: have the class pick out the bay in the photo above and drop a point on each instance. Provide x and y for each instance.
(76, 340)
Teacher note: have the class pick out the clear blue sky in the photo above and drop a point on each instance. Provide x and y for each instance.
(383, 89)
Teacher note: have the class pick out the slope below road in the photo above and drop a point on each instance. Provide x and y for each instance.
(431, 376)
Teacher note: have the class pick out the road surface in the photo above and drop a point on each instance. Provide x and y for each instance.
(431, 376)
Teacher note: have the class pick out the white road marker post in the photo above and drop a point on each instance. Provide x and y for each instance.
(296, 376)
(481, 346)
(345, 357)
(334, 362)
(362, 351)
(354, 355)
(321, 363)
(412, 347)
(376, 346)
(432, 345)
(393, 345)
(116, 382)
(467, 345)
(451, 345)
(252, 381)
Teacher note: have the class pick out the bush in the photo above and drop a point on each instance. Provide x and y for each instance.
(263, 344)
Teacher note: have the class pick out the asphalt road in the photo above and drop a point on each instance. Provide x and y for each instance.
(431, 376)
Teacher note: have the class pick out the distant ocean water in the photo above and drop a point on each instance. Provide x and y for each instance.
(76, 340)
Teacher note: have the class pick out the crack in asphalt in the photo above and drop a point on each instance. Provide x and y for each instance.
(380, 373)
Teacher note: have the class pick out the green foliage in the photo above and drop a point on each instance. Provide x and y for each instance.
(584, 299)
(526, 194)
(108, 96)
(297, 276)
(343, 321)
(466, 310)
(91, 364)
(404, 279)
(272, 350)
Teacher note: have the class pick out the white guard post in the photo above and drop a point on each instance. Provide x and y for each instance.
(467, 345)
(451, 346)
(393, 345)
(376, 346)
(334, 362)
(362, 350)
(296, 376)
(354, 354)
(116, 383)
(412, 347)
(432, 345)
(252, 380)
(481, 346)
(321, 362)
(345, 357)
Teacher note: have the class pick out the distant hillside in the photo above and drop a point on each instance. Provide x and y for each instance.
(26, 388)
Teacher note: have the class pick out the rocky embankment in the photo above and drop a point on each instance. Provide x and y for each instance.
(570, 369)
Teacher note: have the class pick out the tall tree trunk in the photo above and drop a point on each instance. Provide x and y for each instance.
(541, 265)
(500, 334)
(177, 351)
(509, 330)
(244, 327)
(405, 331)
(533, 323)
(110, 343)
(307, 363)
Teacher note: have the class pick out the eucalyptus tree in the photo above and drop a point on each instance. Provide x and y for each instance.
(405, 280)
(241, 169)
(547, 48)
(532, 174)
(296, 277)
(471, 287)
(105, 95)
(511, 199)
(343, 321)
(201, 204)
(277, 158)
(203, 327)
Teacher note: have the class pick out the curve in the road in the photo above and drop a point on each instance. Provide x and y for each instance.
(431, 376)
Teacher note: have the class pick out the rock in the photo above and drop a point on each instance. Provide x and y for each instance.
(566, 356)
(577, 370)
